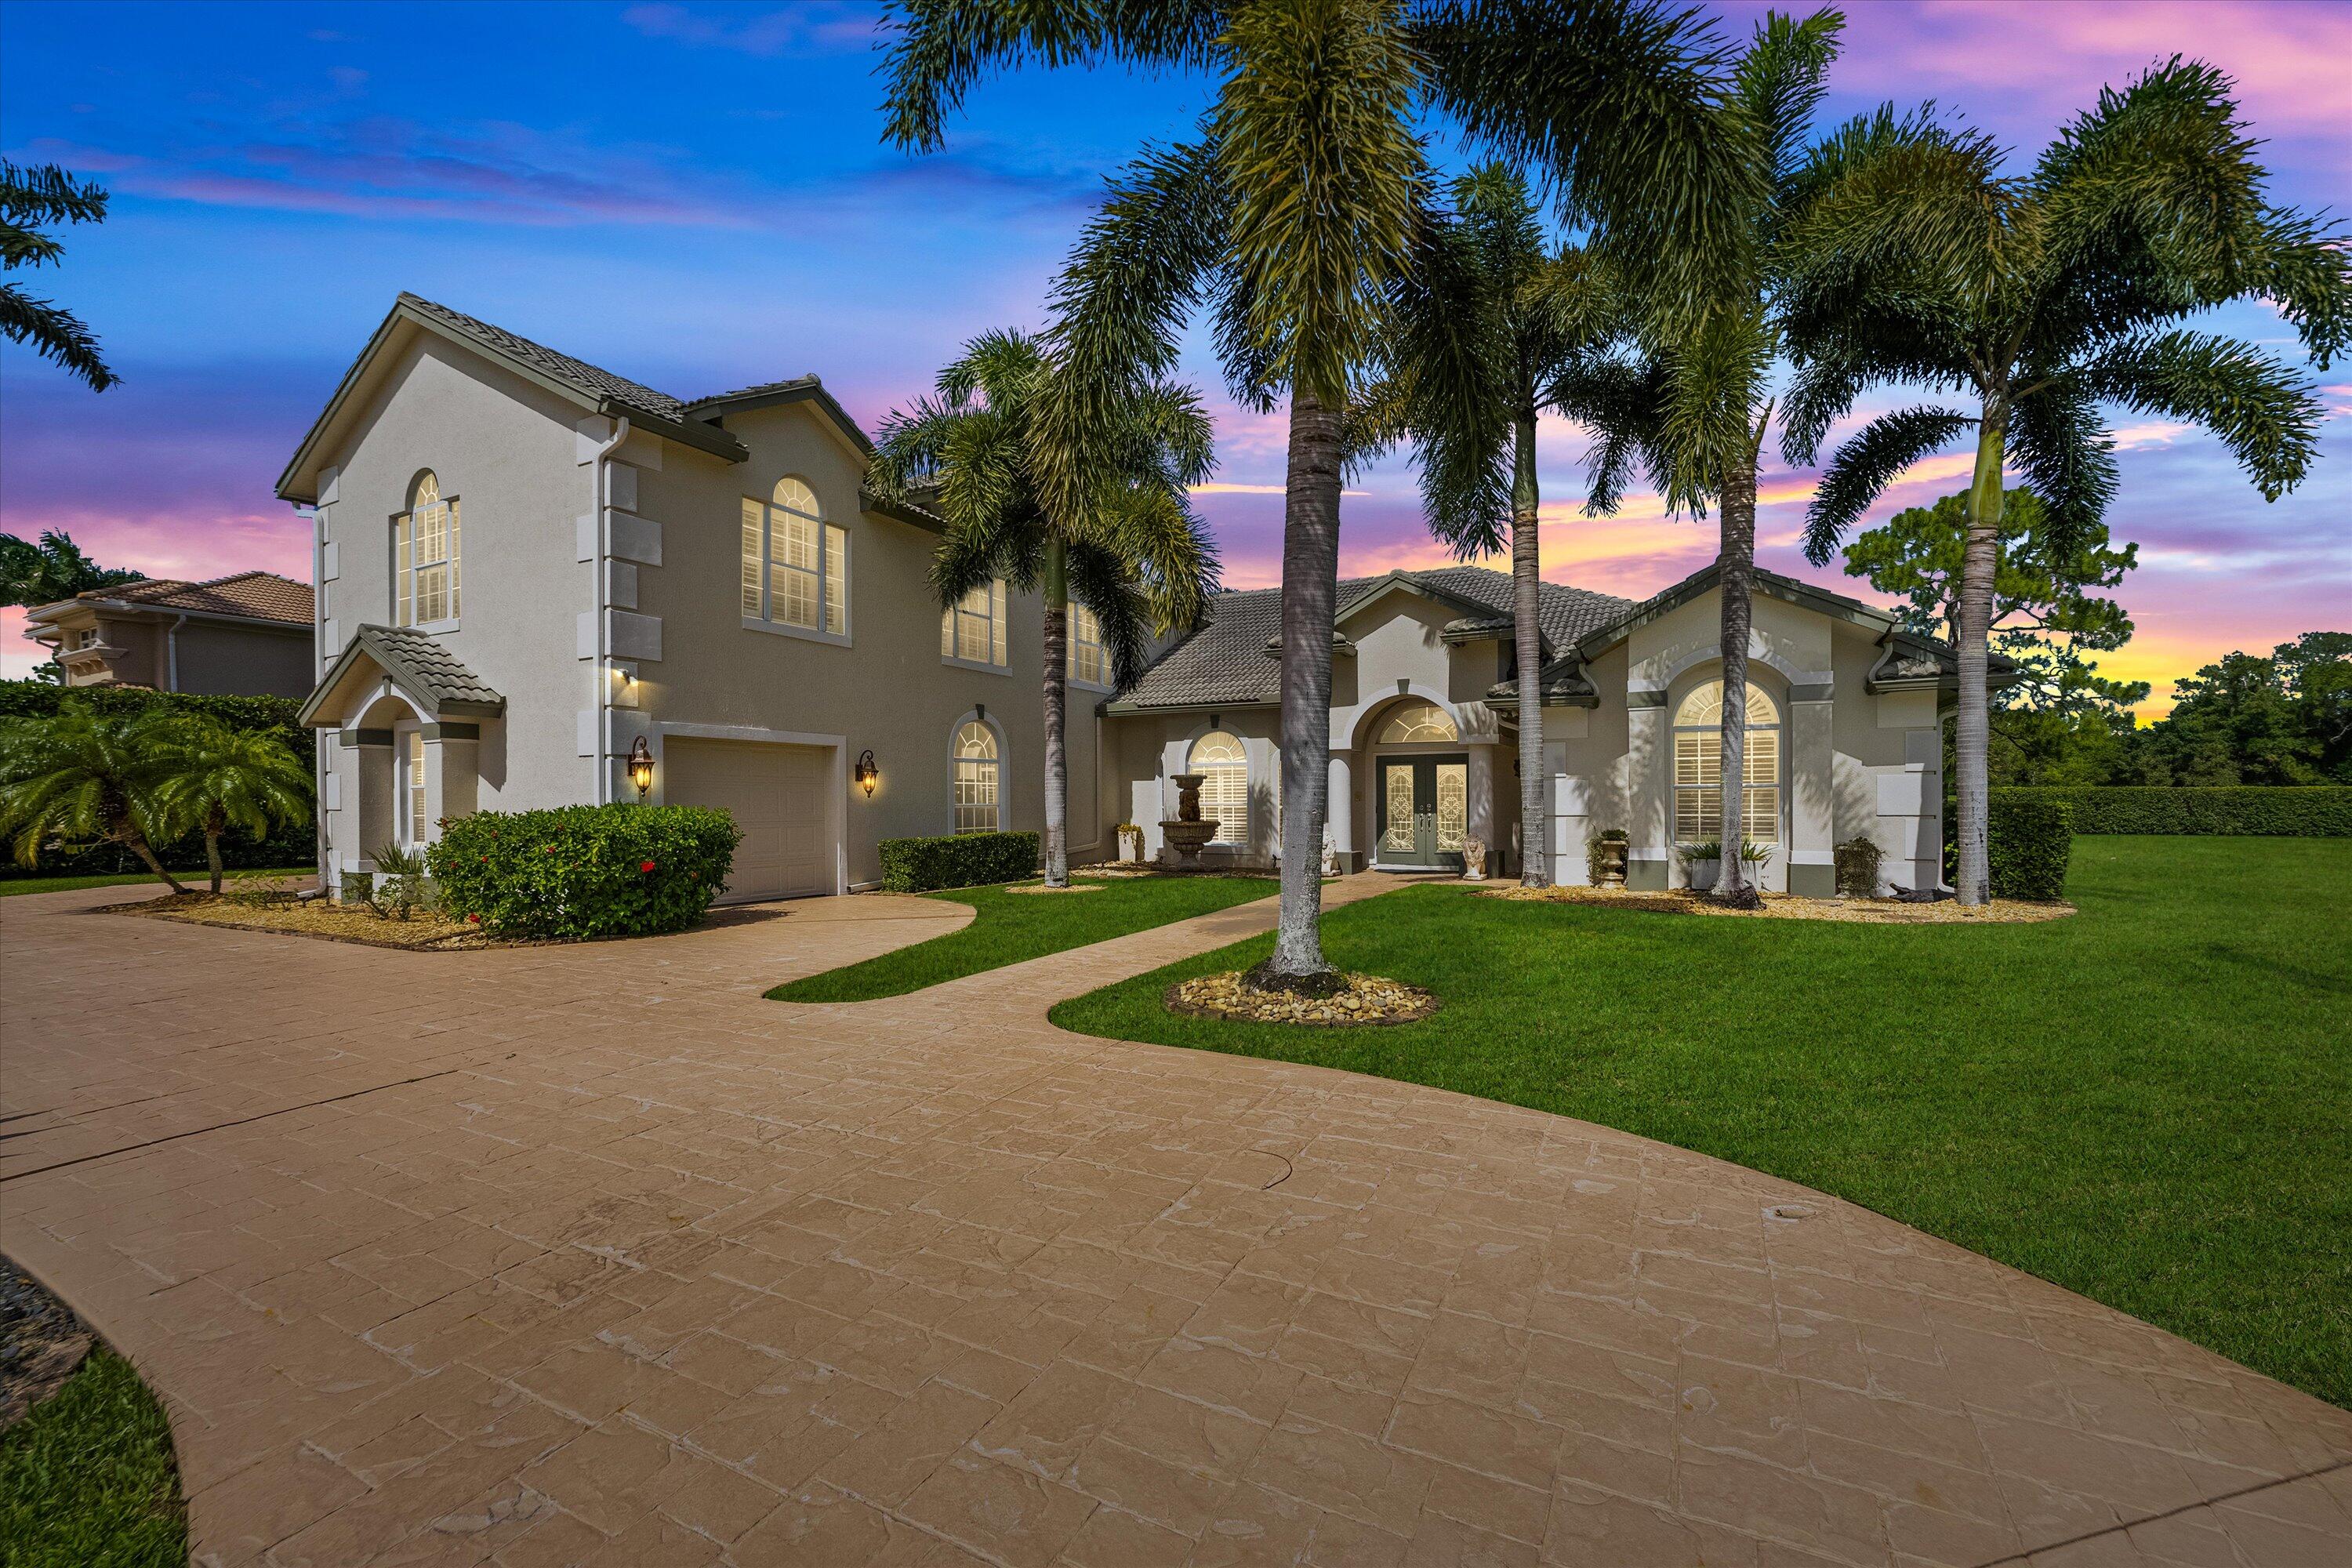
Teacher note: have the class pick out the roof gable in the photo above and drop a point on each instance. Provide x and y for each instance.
(425, 671)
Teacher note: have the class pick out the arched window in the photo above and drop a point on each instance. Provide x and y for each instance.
(975, 761)
(1418, 721)
(1698, 766)
(425, 556)
(795, 564)
(1223, 768)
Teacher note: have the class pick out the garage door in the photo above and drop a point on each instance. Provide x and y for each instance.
(778, 796)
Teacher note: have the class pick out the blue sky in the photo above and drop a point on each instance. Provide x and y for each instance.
(698, 197)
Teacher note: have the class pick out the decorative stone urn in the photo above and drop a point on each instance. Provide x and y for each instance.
(1186, 835)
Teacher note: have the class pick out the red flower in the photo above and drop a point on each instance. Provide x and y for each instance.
(647, 865)
(485, 859)
(473, 920)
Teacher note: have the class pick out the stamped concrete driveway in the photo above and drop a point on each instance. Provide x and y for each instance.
(559, 1255)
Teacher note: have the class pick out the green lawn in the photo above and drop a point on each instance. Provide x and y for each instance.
(198, 879)
(87, 1479)
(2147, 1103)
(1007, 928)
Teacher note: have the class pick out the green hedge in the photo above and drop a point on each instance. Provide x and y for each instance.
(2315, 811)
(273, 716)
(2029, 842)
(580, 871)
(964, 860)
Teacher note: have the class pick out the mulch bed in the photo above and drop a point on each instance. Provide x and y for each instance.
(1368, 1000)
(314, 917)
(1073, 888)
(41, 1344)
(1783, 906)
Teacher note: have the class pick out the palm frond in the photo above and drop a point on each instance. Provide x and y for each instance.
(2264, 412)
(1872, 458)
(56, 335)
(2059, 442)
(44, 192)
(1781, 81)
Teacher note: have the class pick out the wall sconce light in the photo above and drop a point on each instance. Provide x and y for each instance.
(868, 776)
(641, 767)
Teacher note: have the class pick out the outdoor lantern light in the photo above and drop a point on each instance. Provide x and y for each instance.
(641, 767)
(867, 773)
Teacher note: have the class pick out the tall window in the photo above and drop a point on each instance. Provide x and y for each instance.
(971, 631)
(1223, 768)
(412, 787)
(795, 564)
(1698, 767)
(425, 556)
(1418, 721)
(973, 757)
(1088, 662)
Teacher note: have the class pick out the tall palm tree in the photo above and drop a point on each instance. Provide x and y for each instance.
(1484, 324)
(2031, 300)
(1130, 551)
(1293, 209)
(45, 194)
(1698, 411)
(212, 778)
(74, 776)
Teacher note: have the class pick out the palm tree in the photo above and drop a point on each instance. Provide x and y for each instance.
(51, 570)
(1293, 209)
(2034, 300)
(1699, 410)
(212, 778)
(42, 194)
(1131, 550)
(74, 776)
(1485, 324)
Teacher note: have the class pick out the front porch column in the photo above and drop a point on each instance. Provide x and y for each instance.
(1811, 870)
(1650, 829)
(1341, 810)
(1482, 804)
(1569, 799)
(452, 772)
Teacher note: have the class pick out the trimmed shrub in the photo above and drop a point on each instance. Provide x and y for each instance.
(2309, 811)
(2031, 842)
(962, 860)
(297, 845)
(581, 871)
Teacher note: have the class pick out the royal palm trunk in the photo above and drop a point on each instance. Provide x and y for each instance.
(1527, 602)
(1056, 663)
(1310, 573)
(1980, 559)
(1736, 583)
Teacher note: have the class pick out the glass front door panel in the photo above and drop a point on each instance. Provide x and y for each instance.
(1396, 784)
(1453, 806)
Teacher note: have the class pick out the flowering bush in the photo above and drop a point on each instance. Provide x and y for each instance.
(582, 871)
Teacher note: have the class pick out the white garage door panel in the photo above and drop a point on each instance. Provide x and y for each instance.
(777, 795)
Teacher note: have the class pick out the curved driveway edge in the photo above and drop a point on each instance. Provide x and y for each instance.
(591, 1253)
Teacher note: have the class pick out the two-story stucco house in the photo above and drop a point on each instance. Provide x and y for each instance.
(530, 569)
(539, 583)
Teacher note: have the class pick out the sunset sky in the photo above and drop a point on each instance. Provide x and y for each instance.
(698, 197)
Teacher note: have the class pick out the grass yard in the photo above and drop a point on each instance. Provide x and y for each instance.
(2147, 1103)
(13, 885)
(1007, 928)
(87, 1479)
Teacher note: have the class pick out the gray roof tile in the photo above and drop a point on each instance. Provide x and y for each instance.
(578, 375)
(420, 660)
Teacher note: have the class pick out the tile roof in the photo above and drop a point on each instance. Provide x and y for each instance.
(258, 596)
(1225, 659)
(579, 374)
(420, 662)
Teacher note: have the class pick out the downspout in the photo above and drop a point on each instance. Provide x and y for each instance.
(172, 651)
(600, 485)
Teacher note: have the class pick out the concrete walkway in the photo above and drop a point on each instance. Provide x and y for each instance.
(564, 1255)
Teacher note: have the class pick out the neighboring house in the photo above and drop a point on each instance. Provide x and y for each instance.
(532, 570)
(1842, 741)
(247, 635)
(530, 567)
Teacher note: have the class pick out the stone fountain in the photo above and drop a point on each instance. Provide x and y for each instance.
(1186, 835)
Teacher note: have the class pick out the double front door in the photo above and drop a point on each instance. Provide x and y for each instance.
(1424, 811)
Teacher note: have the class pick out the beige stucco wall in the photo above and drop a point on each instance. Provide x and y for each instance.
(219, 659)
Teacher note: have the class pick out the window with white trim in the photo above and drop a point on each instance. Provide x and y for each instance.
(973, 756)
(412, 788)
(971, 630)
(1088, 660)
(795, 564)
(1224, 767)
(1698, 767)
(425, 556)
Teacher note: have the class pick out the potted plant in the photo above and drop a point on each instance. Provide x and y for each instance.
(1702, 863)
(1857, 868)
(1753, 858)
(1130, 841)
(1604, 859)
